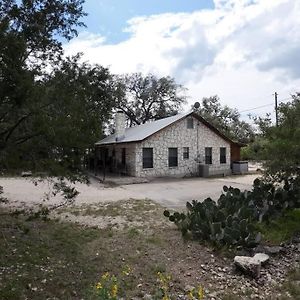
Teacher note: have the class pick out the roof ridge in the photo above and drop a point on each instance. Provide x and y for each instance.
(149, 129)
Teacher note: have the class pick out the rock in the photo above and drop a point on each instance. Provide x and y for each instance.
(296, 239)
(261, 257)
(188, 288)
(248, 265)
(26, 174)
(272, 250)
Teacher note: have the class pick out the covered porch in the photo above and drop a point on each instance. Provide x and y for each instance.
(114, 160)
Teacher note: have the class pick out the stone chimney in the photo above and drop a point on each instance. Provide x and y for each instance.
(120, 122)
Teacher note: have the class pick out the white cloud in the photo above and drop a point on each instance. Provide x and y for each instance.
(243, 50)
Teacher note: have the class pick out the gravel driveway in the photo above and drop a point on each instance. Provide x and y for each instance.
(171, 193)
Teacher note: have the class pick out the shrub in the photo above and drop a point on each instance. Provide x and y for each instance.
(231, 220)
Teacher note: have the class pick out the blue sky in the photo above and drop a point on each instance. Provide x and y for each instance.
(241, 50)
(109, 17)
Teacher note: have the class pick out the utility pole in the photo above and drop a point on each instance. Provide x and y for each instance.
(276, 108)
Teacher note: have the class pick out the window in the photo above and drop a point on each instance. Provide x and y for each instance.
(208, 155)
(147, 158)
(173, 157)
(190, 123)
(123, 156)
(223, 155)
(186, 152)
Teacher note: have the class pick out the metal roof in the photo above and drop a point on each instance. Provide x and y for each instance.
(141, 132)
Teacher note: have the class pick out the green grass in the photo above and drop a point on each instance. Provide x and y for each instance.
(291, 288)
(281, 229)
(132, 233)
(36, 255)
(49, 259)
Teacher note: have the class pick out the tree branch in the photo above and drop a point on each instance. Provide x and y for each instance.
(10, 130)
(26, 138)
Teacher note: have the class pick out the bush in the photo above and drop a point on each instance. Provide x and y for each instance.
(255, 150)
(231, 220)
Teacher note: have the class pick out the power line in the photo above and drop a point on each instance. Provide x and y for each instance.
(256, 107)
(266, 105)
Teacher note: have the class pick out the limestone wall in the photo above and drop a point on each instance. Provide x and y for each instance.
(130, 156)
(178, 136)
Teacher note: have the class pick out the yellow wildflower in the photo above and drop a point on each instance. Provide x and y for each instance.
(200, 293)
(114, 290)
(190, 294)
(166, 297)
(127, 270)
(99, 286)
(105, 276)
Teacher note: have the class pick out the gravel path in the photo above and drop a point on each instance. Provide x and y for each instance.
(172, 193)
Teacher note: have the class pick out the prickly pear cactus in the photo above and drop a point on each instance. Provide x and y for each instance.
(231, 219)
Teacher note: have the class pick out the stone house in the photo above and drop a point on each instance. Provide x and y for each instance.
(175, 146)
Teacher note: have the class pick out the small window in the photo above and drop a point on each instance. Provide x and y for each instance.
(190, 123)
(223, 155)
(186, 152)
(147, 158)
(123, 156)
(173, 157)
(208, 155)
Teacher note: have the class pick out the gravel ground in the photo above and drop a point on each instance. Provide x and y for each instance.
(171, 193)
(191, 263)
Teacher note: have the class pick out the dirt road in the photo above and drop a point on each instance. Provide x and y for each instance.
(171, 193)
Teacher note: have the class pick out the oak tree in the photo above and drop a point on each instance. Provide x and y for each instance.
(147, 98)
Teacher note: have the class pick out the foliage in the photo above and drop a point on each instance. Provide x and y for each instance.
(282, 150)
(52, 108)
(76, 100)
(149, 98)
(262, 123)
(231, 220)
(57, 186)
(47, 259)
(254, 151)
(2, 199)
(107, 287)
(30, 32)
(37, 24)
(281, 229)
(226, 119)
(196, 294)
(164, 286)
(273, 143)
(290, 289)
(206, 221)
